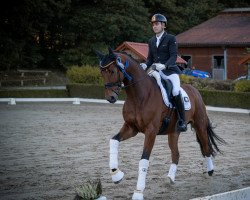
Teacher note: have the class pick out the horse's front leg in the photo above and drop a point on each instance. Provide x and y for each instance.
(143, 165)
(173, 145)
(125, 133)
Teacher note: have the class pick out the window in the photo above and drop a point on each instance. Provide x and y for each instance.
(218, 62)
(188, 59)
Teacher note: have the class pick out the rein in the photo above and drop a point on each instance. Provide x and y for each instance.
(133, 83)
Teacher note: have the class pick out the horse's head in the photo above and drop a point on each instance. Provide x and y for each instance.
(113, 73)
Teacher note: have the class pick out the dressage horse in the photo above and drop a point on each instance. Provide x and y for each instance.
(144, 111)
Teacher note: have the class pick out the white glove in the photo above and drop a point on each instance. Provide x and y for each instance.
(151, 72)
(158, 66)
(143, 66)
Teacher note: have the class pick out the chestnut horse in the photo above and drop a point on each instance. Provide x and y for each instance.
(144, 111)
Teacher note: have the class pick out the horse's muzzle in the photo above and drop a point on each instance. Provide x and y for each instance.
(112, 95)
(112, 99)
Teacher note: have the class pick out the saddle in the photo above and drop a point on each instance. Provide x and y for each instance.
(166, 88)
(166, 91)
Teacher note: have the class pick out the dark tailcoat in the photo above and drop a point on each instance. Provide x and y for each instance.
(165, 53)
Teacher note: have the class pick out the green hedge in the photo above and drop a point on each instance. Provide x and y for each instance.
(226, 98)
(89, 91)
(210, 97)
(34, 93)
(85, 91)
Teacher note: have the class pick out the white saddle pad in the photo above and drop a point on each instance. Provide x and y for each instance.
(185, 97)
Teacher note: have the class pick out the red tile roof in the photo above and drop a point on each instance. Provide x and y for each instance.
(141, 50)
(230, 27)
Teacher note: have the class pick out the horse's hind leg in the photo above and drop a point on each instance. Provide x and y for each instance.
(173, 145)
(125, 133)
(203, 140)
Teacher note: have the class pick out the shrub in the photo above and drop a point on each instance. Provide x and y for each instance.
(208, 84)
(228, 99)
(186, 79)
(85, 74)
(242, 86)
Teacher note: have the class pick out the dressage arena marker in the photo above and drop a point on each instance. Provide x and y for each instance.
(77, 101)
(241, 194)
(12, 101)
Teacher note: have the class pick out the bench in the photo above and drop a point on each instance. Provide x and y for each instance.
(22, 82)
(43, 72)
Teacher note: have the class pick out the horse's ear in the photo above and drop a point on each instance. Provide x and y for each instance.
(99, 54)
(111, 52)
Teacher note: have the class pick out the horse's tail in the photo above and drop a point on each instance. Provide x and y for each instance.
(212, 138)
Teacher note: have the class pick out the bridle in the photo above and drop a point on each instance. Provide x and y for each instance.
(121, 67)
(110, 85)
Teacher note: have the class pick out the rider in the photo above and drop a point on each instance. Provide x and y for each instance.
(162, 56)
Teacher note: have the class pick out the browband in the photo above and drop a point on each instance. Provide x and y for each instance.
(106, 65)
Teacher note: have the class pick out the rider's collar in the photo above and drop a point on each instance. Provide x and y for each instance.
(159, 37)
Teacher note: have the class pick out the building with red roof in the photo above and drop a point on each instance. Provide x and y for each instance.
(219, 44)
(139, 51)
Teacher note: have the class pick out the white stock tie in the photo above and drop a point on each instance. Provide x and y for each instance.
(157, 42)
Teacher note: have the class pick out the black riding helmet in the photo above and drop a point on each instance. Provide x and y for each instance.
(159, 18)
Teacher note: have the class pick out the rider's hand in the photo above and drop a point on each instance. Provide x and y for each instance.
(158, 66)
(143, 66)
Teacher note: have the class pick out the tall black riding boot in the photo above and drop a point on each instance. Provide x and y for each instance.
(181, 124)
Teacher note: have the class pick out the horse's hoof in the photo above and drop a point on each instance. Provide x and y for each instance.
(138, 195)
(210, 173)
(117, 176)
(117, 182)
(171, 179)
(102, 198)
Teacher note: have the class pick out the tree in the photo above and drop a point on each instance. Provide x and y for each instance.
(58, 34)
(100, 24)
(28, 32)
(191, 13)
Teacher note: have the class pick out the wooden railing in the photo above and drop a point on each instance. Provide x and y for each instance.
(24, 77)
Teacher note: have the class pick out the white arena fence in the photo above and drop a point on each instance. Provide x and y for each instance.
(77, 101)
(241, 194)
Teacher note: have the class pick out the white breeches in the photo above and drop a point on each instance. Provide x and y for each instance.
(175, 80)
